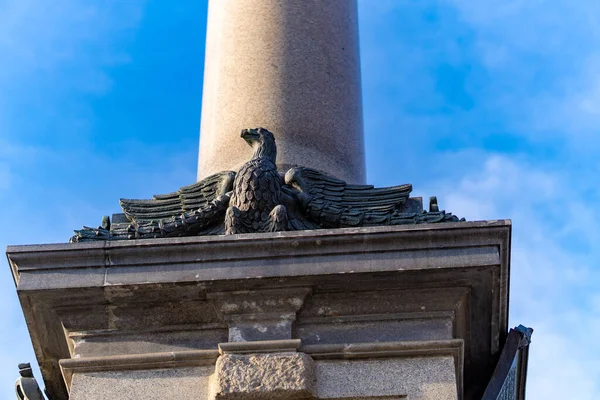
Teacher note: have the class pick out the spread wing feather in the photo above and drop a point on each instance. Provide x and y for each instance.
(335, 192)
(328, 202)
(195, 196)
(197, 209)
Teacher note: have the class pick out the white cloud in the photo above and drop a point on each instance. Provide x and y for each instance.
(554, 372)
(522, 70)
(532, 73)
(531, 26)
(543, 63)
(54, 54)
(554, 288)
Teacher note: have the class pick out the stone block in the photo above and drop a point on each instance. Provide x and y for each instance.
(192, 383)
(265, 376)
(418, 378)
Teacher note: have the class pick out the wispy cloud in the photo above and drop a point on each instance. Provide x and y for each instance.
(543, 59)
(554, 273)
(56, 56)
(494, 107)
(514, 75)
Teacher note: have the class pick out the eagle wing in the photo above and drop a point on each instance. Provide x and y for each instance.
(197, 209)
(333, 203)
(192, 197)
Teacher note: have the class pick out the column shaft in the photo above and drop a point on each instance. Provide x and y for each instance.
(291, 67)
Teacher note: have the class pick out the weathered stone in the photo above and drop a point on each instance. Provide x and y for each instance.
(418, 378)
(105, 368)
(265, 376)
(412, 283)
(192, 383)
(260, 314)
(26, 386)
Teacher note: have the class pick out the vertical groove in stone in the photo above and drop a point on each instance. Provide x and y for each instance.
(292, 67)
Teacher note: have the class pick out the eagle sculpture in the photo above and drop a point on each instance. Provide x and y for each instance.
(259, 199)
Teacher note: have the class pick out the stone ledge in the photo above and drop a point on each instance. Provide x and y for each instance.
(54, 266)
(264, 346)
(177, 359)
(430, 348)
(385, 349)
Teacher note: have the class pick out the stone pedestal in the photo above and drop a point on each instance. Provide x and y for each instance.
(412, 312)
(292, 67)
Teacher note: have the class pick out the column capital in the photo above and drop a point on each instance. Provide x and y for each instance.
(259, 315)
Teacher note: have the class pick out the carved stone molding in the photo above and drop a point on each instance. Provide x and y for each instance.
(261, 314)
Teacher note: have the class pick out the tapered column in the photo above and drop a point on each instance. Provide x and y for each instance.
(292, 67)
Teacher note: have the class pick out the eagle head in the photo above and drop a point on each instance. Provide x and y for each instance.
(262, 142)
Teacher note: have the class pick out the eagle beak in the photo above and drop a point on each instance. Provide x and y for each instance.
(249, 135)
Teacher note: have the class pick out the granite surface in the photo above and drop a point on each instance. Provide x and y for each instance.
(183, 384)
(265, 376)
(292, 67)
(419, 378)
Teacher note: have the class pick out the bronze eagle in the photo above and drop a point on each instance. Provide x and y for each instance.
(259, 199)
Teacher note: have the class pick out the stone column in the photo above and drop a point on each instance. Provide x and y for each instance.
(292, 67)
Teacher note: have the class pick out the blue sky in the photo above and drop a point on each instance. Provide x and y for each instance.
(492, 105)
